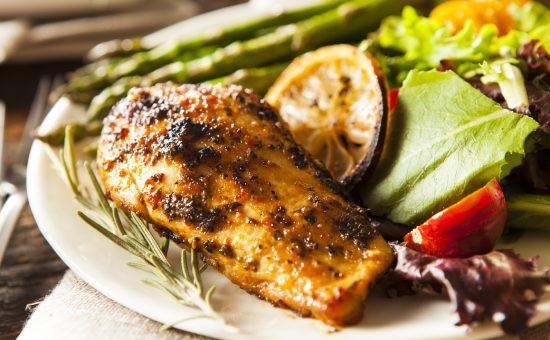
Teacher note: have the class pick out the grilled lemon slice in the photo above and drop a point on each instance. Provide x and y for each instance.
(334, 102)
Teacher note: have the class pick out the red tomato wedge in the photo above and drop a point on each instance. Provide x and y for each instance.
(470, 227)
(393, 99)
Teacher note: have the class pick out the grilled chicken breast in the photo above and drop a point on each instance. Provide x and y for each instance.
(214, 168)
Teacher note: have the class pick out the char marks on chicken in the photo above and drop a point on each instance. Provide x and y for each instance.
(214, 168)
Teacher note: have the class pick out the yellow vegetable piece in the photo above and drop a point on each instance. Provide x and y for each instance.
(457, 13)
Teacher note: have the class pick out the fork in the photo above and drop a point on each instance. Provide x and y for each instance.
(13, 180)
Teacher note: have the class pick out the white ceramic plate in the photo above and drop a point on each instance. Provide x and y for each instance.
(103, 265)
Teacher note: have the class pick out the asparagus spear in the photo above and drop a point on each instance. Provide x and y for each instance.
(101, 104)
(103, 65)
(258, 79)
(115, 48)
(139, 63)
(226, 36)
(143, 62)
(91, 149)
(348, 21)
(83, 97)
(80, 131)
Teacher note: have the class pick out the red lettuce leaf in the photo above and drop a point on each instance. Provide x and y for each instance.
(497, 286)
(537, 62)
(537, 59)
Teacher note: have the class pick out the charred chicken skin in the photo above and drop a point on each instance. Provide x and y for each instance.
(214, 168)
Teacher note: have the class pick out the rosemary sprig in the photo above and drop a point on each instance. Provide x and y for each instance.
(132, 233)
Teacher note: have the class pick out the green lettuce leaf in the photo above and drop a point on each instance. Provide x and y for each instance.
(445, 140)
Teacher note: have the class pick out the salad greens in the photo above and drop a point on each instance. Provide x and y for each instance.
(445, 140)
(411, 41)
(435, 128)
(530, 17)
(498, 286)
(416, 42)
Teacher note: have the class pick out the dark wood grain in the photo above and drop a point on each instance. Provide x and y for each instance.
(30, 267)
(29, 270)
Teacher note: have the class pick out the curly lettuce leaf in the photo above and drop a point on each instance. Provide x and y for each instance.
(498, 286)
(445, 140)
(412, 41)
(426, 40)
(530, 16)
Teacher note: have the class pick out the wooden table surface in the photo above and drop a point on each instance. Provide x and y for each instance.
(31, 268)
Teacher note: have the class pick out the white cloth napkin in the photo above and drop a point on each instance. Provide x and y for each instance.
(74, 310)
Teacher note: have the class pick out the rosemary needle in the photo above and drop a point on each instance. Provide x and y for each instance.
(133, 234)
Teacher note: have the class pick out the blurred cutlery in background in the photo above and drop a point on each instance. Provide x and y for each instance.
(11, 34)
(40, 9)
(24, 38)
(13, 174)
